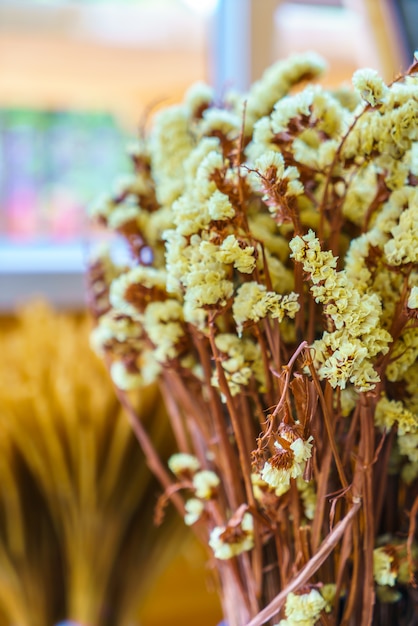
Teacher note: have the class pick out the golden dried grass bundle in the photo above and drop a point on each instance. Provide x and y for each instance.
(77, 535)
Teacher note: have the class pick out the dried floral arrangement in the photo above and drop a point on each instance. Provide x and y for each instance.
(272, 290)
(77, 532)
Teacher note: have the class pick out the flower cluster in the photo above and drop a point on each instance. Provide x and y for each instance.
(303, 609)
(232, 539)
(288, 461)
(272, 292)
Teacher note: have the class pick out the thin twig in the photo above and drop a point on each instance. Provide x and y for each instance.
(328, 425)
(310, 568)
(151, 455)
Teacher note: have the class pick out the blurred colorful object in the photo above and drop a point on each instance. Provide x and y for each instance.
(46, 164)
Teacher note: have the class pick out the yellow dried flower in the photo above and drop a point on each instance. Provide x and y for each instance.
(384, 567)
(205, 483)
(413, 298)
(369, 85)
(233, 539)
(303, 608)
(182, 463)
(194, 509)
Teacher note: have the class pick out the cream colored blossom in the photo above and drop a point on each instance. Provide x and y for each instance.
(389, 413)
(123, 378)
(369, 85)
(328, 591)
(112, 327)
(303, 608)
(308, 495)
(287, 462)
(253, 302)
(384, 569)
(169, 144)
(196, 268)
(163, 323)
(359, 194)
(128, 291)
(197, 161)
(125, 213)
(211, 163)
(403, 247)
(226, 122)
(291, 107)
(241, 362)
(408, 444)
(199, 95)
(404, 354)
(276, 82)
(345, 354)
(409, 473)
(413, 298)
(194, 509)
(261, 488)
(268, 163)
(233, 539)
(189, 216)
(183, 463)
(307, 250)
(240, 256)
(219, 206)
(205, 483)
(341, 360)
(143, 373)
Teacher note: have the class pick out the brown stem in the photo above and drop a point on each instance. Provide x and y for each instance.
(381, 477)
(176, 419)
(266, 365)
(300, 314)
(288, 370)
(151, 455)
(354, 585)
(310, 568)
(367, 431)
(235, 419)
(411, 535)
(352, 432)
(273, 340)
(249, 436)
(322, 482)
(327, 421)
(229, 466)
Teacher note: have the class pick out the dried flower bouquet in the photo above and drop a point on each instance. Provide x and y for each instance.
(273, 292)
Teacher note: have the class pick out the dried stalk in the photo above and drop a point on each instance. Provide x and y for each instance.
(310, 568)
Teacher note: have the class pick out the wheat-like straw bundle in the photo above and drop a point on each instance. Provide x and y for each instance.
(77, 535)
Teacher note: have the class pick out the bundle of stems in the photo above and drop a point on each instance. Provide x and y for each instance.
(77, 532)
(272, 290)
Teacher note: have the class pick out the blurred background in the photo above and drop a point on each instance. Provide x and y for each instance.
(76, 81)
